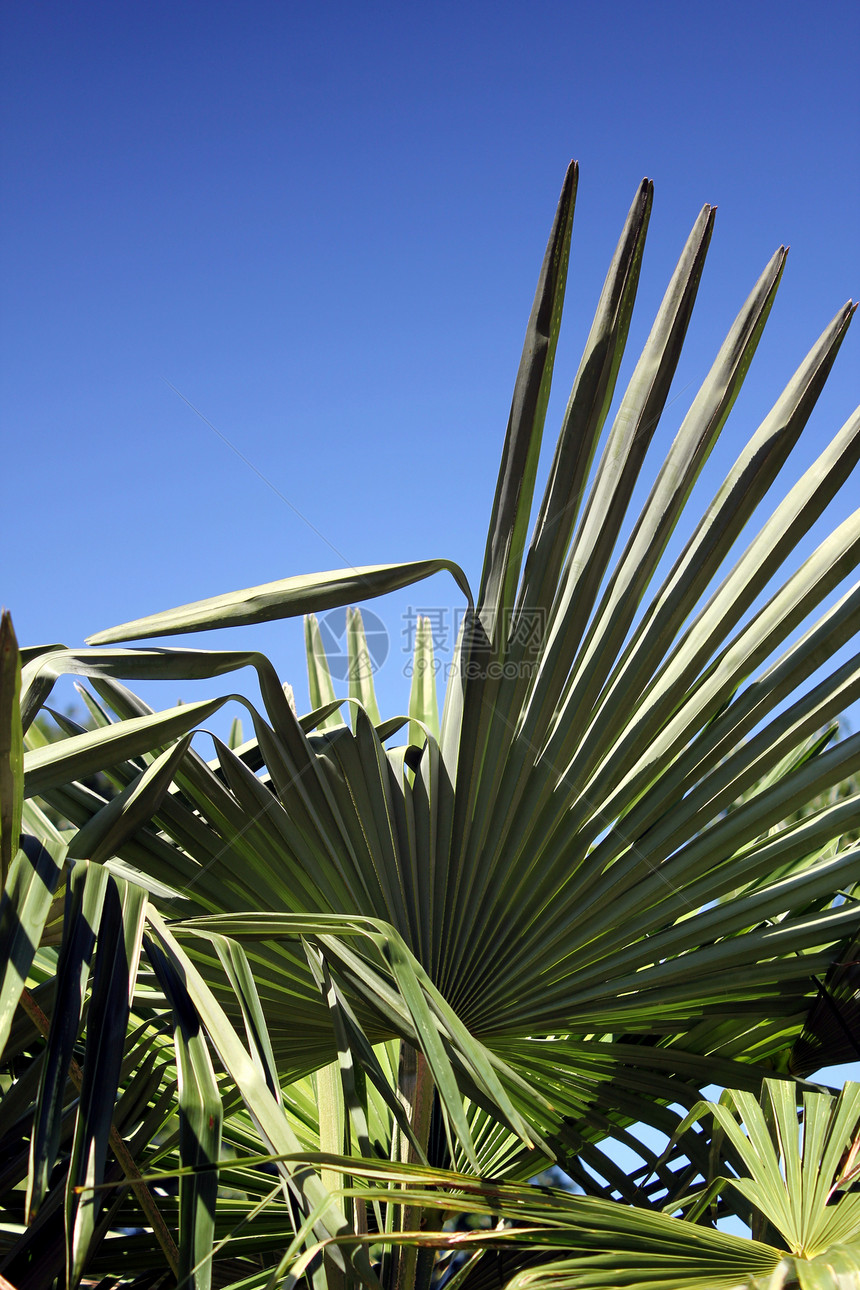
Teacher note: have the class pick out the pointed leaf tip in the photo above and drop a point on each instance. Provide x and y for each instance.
(285, 598)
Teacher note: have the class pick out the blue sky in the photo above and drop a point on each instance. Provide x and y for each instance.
(323, 224)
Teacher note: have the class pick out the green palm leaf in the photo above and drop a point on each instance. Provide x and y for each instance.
(11, 745)
(609, 877)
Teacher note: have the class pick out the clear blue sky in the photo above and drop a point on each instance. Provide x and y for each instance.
(323, 225)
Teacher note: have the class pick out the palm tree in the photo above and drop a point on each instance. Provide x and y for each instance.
(418, 974)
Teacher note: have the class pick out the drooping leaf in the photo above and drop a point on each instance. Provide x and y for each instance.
(287, 598)
(124, 814)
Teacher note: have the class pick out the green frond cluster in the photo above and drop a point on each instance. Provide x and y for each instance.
(289, 1011)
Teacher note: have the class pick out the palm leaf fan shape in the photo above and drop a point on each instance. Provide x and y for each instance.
(587, 892)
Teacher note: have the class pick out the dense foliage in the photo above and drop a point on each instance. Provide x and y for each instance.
(319, 1008)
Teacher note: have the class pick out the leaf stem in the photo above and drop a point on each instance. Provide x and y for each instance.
(415, 1089)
